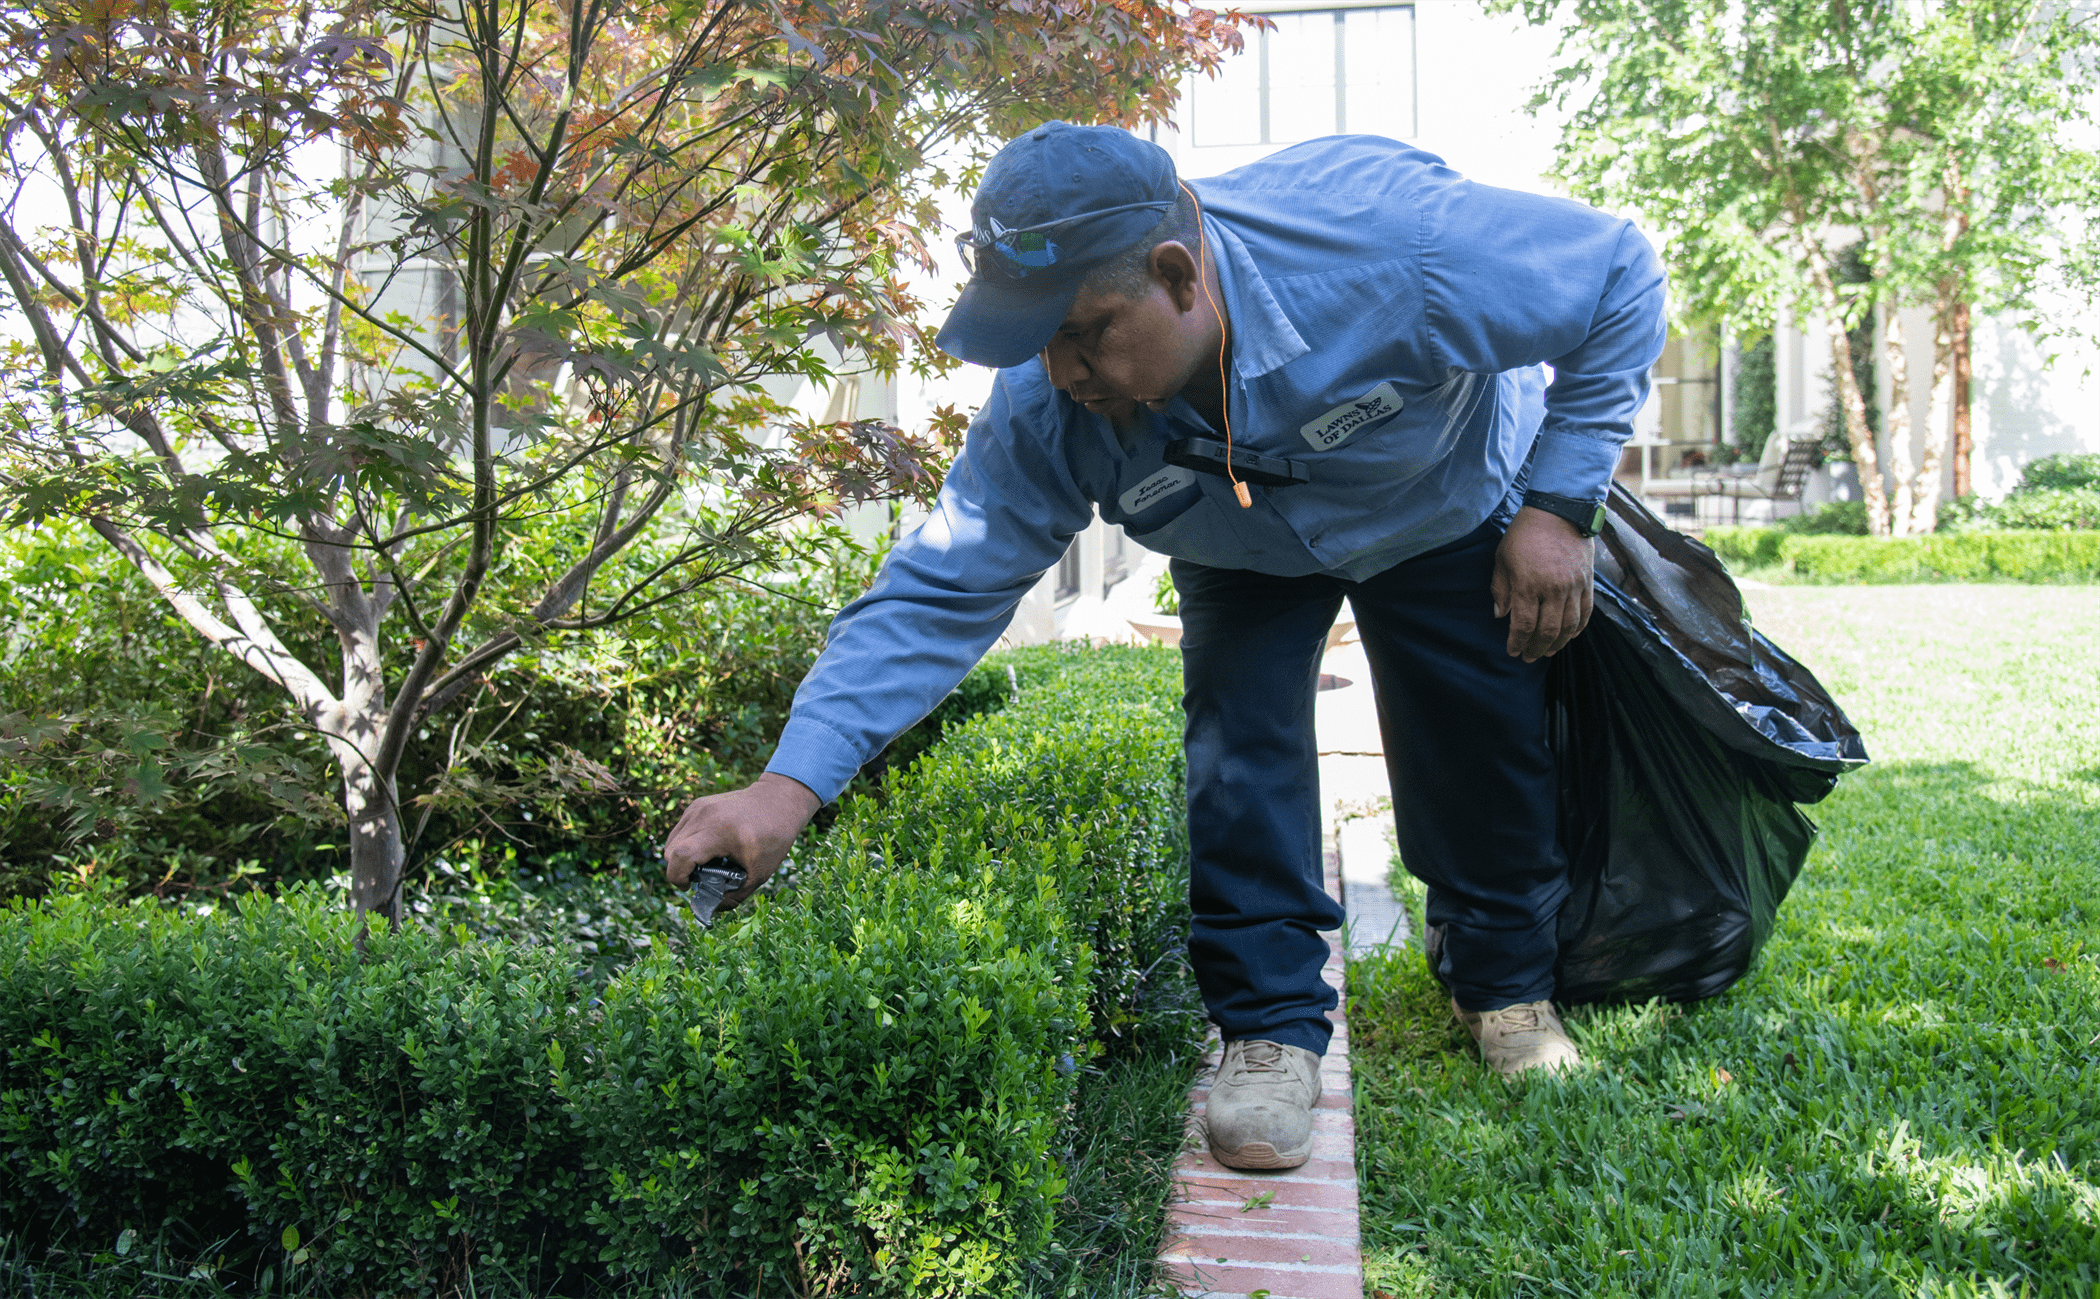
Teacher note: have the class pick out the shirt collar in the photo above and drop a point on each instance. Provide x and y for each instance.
(1263, 338)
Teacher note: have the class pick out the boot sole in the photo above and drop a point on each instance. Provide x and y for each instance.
(1256, 1156)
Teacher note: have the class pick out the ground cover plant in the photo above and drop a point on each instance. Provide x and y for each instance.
(1902, 1099)
(865, 1083)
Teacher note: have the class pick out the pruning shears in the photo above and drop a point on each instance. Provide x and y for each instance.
(715, 879)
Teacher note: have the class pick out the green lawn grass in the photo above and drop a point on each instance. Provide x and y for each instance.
(1902, 1099)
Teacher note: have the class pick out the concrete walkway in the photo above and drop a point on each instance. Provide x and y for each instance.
(1293, 1234)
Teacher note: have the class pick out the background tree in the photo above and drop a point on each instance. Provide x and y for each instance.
(637, 215)
(1766, 139)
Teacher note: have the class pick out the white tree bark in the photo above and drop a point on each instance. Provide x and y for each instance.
(1896, 423)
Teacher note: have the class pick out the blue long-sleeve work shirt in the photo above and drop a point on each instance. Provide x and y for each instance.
(1390, 321)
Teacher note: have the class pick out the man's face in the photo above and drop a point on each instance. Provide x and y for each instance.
(1115, 353)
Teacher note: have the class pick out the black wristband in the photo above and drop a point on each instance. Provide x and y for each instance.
(1587, 516)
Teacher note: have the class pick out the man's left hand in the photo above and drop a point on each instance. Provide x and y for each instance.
(1543, 584)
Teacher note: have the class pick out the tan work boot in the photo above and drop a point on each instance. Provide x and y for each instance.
(1260, 1110)
(1527, 1035)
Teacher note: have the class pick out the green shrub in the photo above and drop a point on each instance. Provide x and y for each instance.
(2031, 556)
(1743, 549)
(852, 1086)
(2050, 508)
(1039, 773)
(121, 728)
(1832, 518)
(1957, 557)
(252, 1073)
(2061, 472)
(134, 744)
(860, 1094)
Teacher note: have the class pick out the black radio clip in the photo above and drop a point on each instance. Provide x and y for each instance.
(1210, 456)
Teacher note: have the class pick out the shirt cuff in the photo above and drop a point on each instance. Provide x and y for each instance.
(816, 755)
(1569, 464)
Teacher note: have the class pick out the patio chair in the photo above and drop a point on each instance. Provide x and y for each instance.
(1669, 491)
(1781, 474)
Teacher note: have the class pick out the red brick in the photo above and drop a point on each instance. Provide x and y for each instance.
(1198, 1220)
(1280, 1282)
(1271, 1249)
(1328, 1169)
(1302, 1195)
(1312, 1211)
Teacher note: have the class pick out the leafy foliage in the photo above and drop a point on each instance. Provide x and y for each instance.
(404, 286)
(1756, 399)
(857, 1082)
(131, 744)
(2033, 556)
(2053, 508)
(2066, 472)
(139, 749)
(1766, 139)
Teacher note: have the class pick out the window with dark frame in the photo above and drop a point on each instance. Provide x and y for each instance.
(1115, 558)
(1068, 573)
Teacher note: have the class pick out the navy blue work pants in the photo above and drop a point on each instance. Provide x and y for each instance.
(1474, 791)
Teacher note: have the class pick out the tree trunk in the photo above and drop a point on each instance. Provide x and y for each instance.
(1895, 421)
(375, 842)
(1850, 399)
(356, 729)
(1964, 437)
(1942, 400)
(1860, 437)
(371, 801)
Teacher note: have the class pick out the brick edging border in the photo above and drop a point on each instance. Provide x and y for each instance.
(1294, 1233)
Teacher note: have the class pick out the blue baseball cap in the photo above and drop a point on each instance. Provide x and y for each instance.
(1055, 203)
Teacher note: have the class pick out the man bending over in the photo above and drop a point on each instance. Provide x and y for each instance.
(1319, 376)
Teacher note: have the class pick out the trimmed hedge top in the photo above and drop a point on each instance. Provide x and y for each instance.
(1942, 557)
(852, 1087)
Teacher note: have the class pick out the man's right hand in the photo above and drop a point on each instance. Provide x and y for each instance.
(756, 825)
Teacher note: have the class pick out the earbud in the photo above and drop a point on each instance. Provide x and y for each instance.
(1239, 489)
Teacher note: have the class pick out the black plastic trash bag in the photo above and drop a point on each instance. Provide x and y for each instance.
(1684, 741)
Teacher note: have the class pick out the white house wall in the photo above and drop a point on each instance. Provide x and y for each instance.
(2026, 406)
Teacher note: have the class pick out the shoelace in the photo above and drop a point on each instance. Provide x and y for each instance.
(1258, 1058)
(1523, 1019)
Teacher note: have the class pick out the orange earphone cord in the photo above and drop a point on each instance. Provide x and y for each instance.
(1239, 489)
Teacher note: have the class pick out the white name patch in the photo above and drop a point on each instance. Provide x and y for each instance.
(1156, 489)
(1334, 428)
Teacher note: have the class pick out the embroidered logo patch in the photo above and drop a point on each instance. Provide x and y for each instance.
(1333, 428)
(1156, 489)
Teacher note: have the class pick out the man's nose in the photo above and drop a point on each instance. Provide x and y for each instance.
(1061, 360)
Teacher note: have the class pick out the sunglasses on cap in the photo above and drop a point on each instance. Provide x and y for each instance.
(1020, 251)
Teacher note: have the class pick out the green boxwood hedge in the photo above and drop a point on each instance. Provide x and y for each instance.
(854, 1086)
(1944, 557)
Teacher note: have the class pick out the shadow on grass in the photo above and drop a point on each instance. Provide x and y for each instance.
(1902, 1099)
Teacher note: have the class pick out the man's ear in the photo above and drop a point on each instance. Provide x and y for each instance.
(1174, 269)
